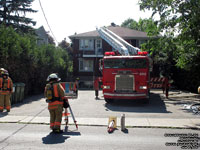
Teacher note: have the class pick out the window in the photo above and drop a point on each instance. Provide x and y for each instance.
(125, 63)
(98, 43)
(85, 65)
(86, 44)
(99, 49)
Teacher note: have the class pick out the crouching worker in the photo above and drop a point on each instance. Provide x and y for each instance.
(54, 94)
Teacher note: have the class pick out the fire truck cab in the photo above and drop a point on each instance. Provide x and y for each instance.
(125, 77)
(126, 70)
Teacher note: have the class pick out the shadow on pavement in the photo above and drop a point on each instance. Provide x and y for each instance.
(156, 105)
(2, 114)
(125, 131)
(28, 100)
(181, 101)
(55, 138)
(186, 104)
(71, 132)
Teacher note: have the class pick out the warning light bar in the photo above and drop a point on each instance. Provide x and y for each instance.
(143, 53)
(109, 53)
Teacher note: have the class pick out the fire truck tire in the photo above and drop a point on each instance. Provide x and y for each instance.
(145, 101)
(108, 100)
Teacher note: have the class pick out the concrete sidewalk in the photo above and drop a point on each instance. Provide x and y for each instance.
(24, 113)
(129, 122)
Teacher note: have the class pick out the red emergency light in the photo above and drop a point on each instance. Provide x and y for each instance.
(143, 53)
(109, 53)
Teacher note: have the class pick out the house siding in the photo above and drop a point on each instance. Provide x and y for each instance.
(106, 46)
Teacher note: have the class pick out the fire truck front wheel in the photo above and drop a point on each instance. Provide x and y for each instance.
(145, 101)
(108, 100)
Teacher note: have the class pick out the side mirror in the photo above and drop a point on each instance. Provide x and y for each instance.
(101, 65)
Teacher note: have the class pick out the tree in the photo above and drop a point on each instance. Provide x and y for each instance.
(145, 25)
(12, 13)
(66, 46)
(130, 23)
(179, 21)
(29, 63)
(158, 46)
(180, 17)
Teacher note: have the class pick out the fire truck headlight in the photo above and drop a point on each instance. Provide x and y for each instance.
(143, 87)
(106, 87)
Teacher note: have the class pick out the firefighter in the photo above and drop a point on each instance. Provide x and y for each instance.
(54, 93)
(6, 88)
(77, 86)
(96, 87)
(165, 87)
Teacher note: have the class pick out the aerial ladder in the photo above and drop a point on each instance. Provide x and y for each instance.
(119, 44)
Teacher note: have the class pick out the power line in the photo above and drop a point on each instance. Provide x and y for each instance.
(47, 21)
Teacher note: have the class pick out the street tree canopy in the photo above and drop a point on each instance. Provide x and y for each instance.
(145, 25)
(179, 22)
(30, 63)
(180, 19)
(13, 13)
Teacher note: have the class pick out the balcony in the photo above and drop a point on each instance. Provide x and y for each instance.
(89, 53)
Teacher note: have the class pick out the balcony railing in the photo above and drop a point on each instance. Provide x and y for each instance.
(98, 53)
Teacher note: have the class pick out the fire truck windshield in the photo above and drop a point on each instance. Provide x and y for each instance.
(126, 63)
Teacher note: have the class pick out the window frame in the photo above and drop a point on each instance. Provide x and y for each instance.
(86, 44)
(86, 63)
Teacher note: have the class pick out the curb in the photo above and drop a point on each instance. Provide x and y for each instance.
(103, 122)
(127, 127)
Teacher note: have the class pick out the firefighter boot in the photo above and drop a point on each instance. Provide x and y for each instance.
(58, 131)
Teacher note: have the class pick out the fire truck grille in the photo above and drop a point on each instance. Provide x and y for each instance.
(125, 83)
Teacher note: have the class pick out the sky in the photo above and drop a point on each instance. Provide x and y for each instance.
(67, 17)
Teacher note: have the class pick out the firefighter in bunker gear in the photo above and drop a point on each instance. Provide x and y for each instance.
(96, 87)
(54, 93)
(6, 88)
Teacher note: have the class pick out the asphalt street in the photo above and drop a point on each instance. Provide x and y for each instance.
(37, 136)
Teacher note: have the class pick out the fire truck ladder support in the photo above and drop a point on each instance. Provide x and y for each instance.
(123, 47)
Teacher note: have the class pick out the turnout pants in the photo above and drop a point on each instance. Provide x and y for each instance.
(56, 117)
(96, 93)
(5, 102)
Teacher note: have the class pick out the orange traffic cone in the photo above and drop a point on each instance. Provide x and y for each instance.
(111, 126)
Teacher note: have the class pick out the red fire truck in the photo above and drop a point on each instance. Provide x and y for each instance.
(126, 71)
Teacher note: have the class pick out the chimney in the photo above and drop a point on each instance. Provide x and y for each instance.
(113, 24)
